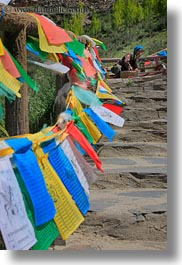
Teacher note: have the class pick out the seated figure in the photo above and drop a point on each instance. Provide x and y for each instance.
(128, 62)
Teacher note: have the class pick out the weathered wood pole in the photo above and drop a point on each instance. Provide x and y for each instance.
(16, 112)
(16, 25)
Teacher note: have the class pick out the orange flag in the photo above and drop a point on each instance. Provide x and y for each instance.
(55, 35)
(89, 70)
(9, 65)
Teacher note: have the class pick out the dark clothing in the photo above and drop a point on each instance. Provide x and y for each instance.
(127, 63)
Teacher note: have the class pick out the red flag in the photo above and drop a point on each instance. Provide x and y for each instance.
(97, 54)
(78, 136)
(113, 108)
(65, 60)
(89, 70)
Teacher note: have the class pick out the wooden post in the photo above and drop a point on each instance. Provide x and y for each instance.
(16, 25)
(16, 112)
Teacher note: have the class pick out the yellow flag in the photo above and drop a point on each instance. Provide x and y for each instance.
(103, 93)
(53, 57)
(1, 48)
(43, 43)
(36, 136)
(9, 81)
(68, 216)
(101, 81)
(91, 127)
(6, 151)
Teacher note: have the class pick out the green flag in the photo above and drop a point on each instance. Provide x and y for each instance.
(46, 233)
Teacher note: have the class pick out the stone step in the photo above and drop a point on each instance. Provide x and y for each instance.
(138, 80)
(138, 135)
(142, 97)
(139, 94)
(134, 164)
(137, 84)
(147, 103)
(146, 108)
(116, 216)
(128, 180)
(135, 201)
(145, 114)
(153, 124)
(116, 149)
(136, 100)
(123, 211)
(140, 101)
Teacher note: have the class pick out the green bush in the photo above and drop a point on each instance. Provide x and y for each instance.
(95, 24)
(41, 102)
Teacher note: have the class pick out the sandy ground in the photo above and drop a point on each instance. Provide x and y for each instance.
(126, 213)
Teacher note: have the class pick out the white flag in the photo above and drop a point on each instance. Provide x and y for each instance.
(108, 115)
(70, 155)
(88, 170)
(3, 145)
(56, 67)
(16, 228)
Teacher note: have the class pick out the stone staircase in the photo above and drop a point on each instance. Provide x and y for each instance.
(145, 130)
(129, 201)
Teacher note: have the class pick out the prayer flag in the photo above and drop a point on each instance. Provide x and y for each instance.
(108, 116)
(66, 173)
(45, 45)
(116, 109)
(55, 35)
(87, 169)
(45, 233)
(9, 65)
(102, 93)
(105, 129)
(76, 46)
(73, 160)
(28, 167)
(77, 136)
(9, 81)
(17, 231)
(67, 217)
(56, 67)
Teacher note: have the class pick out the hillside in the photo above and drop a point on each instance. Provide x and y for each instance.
(120, 24)
(150, 33)
(121, 41)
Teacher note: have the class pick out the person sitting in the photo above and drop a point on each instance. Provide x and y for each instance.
(128, 61)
